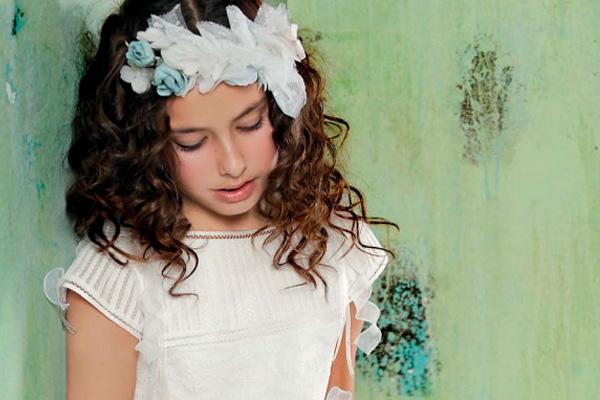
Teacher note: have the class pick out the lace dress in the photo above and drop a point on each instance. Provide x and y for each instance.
(246, 336)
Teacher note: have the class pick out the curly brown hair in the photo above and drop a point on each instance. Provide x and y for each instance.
(124, 163)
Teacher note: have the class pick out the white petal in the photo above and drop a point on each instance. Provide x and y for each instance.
(205, 85)
(138, 77)
(127, 73)
(140, 84)
(300, 53)
(240, 25)
(241, 75)
(185, 57)
(150, 35)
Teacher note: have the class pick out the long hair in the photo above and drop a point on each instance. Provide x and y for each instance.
(124, 163)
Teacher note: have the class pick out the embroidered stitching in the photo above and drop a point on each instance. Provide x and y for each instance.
(227, 236)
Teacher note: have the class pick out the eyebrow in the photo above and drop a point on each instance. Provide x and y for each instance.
(247, 111)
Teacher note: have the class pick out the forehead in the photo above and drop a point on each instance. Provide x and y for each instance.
(222, 104)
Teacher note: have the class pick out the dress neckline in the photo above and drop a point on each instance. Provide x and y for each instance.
(227, 234)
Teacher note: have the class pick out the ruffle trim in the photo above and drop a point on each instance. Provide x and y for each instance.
(368, 338)
(150, 346)
(56, 293)
(338, 394)
(367, 311)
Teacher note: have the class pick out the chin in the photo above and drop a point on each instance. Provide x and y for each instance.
(234, 209)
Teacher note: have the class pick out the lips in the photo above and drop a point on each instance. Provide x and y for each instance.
(242, 193)
(234, 187)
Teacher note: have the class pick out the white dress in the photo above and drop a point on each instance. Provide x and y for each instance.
(245, 336)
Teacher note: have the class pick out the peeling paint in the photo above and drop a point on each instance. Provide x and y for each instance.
(485, 86)
(18, 20)
(10, 93)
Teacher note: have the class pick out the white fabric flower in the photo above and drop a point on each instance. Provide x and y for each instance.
(299, 48)
(264, 49)
(139, 78)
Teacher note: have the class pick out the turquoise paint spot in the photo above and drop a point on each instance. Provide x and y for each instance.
(31, 147)
(41, 189)
(18, 20)
(406, 353)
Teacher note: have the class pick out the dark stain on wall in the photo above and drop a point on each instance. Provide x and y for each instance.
(406, 354)
(309, 37)
(484, 89)
(18, 20)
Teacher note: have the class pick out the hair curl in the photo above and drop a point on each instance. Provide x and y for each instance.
(124, 164)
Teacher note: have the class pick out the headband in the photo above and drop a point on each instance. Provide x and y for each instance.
(265, 49)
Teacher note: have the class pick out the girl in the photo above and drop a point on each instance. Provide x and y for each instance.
(219, 241)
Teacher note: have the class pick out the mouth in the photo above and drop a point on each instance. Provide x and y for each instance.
(234, 188)
(236, 194)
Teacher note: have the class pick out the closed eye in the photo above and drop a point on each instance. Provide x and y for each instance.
(193, 147)
(254, 127)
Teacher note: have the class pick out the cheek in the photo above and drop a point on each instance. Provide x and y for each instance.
(263, 150)
(192, 169)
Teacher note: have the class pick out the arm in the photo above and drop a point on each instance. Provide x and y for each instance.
(101, 356)
(340, 375)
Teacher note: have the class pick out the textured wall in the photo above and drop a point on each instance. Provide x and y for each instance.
(475, 127)
(39, 56)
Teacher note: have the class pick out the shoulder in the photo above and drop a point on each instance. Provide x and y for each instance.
(364, 260)
(91, 261)
(114, 289)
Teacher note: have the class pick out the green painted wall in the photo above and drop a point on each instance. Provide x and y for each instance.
(39, 61)
(473, 127)
(476, 128)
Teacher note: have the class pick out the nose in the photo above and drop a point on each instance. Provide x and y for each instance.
(230, 159)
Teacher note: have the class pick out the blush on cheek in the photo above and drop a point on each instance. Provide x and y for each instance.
(193, 170)
(264, 150)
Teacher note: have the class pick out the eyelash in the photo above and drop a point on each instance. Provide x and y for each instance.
(254, 127)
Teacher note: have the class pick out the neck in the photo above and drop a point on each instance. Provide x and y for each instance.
(246, 221)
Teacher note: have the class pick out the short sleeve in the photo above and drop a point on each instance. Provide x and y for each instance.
(111, 288)
(362, 266)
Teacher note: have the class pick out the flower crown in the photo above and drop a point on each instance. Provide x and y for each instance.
(265, 49)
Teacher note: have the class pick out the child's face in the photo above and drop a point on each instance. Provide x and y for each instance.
(231, 151)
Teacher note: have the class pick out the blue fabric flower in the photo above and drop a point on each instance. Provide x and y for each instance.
(169, 81)
(140, 54)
